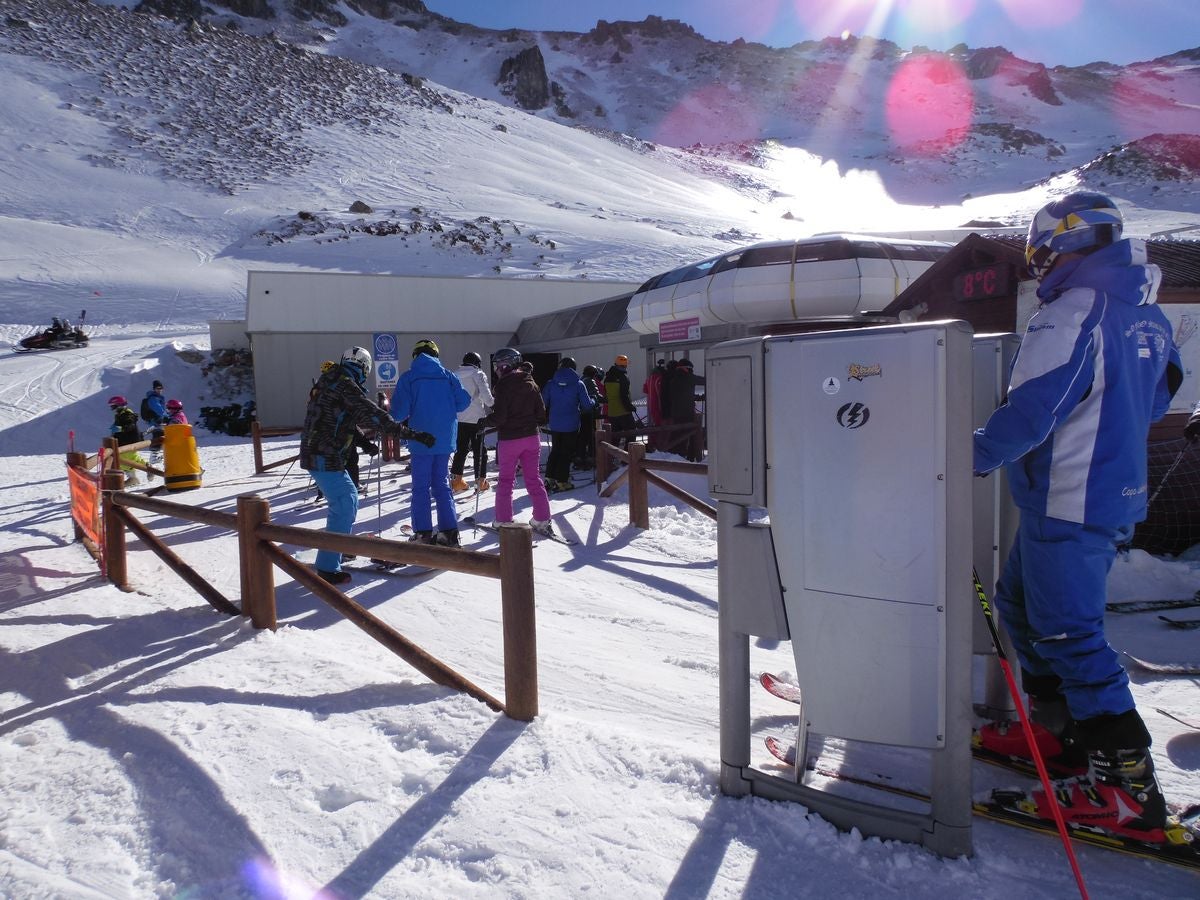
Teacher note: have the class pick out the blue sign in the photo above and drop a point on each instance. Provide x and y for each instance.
(387, 370)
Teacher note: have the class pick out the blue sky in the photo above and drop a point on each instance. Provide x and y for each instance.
(1054, 32)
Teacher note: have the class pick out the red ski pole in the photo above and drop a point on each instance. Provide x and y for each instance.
(1043, 774)
(71, 441)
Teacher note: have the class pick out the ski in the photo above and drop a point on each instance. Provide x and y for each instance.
(775, 685)
(1181, 848)
(1182, 624)
(1168, 668)
(382, 567)
(785, 690)
(1137, 606)
(1181, 838)
(1189, 721)
(472, 522)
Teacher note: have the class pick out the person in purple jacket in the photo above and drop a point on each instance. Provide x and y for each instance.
(1097, 365)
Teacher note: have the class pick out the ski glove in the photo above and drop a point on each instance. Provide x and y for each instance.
(371, 449)
(421, 437)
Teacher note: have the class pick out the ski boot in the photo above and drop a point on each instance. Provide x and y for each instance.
(1119, 795)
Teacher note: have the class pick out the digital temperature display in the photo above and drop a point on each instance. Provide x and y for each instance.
(985, 283)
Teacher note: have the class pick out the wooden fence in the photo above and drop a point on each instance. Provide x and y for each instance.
(257, 433)
(258, 555)
(640, 473)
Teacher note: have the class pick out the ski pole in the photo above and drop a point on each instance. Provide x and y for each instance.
(286, 473)
(1043, 774)
(1173, 467)
(378, 493)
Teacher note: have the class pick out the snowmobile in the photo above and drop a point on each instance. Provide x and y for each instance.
(61, 335)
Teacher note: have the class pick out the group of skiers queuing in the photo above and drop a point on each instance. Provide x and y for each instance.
(445, 414)
(156, 411)
(671, 398)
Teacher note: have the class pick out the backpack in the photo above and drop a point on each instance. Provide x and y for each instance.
(147, 413)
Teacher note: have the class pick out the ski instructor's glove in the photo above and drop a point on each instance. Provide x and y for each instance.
(421, 437)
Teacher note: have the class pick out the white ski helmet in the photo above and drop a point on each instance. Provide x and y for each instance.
(360, 358)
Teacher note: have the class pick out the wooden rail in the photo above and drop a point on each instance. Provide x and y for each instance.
(639, 473)
(257, 433)
(258, 555)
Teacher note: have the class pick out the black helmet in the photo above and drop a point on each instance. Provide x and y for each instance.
(506, 359)
(472, 359)
(590, 371)
(567, 362)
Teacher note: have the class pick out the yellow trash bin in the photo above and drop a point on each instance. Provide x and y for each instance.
(181, 462)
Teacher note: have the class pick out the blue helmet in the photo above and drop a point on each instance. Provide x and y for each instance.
(1079, 222)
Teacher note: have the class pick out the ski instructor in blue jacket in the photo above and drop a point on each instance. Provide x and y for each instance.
(1096, 367)
(430, 397)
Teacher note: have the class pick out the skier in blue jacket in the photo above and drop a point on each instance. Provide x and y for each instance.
(565, 396)
(430, 397)
(1096, 366)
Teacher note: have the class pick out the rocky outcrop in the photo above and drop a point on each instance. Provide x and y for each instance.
(523, 77)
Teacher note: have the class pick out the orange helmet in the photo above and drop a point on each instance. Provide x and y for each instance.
(622, 360)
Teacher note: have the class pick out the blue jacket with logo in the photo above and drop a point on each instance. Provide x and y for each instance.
(1089, 378)
(430, 397)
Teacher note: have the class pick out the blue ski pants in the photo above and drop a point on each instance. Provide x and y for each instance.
(431, 483)
(1051, 598)
(341, 499)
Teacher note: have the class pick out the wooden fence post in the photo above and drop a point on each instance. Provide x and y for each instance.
(639, 495)
(519, 622)
(256, 434)
(114, 531)
(257, 572)
(603, 460)
(112, 458)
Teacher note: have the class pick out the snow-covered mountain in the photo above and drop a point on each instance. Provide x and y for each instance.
(218, 139)
(659, 80)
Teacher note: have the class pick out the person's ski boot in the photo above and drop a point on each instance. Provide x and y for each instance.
(1120, 795)
(543, 527)
(447, 538)
(339, 577)
(458, 484)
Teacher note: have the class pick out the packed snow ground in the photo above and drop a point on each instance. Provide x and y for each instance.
(152, 747)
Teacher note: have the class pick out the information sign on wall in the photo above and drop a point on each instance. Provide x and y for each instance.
(679, 330)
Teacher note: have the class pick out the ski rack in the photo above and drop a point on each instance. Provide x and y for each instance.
(761, 403)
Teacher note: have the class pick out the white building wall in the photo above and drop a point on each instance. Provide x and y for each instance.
(298, 319)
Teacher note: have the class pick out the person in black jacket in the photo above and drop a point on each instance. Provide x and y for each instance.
(338, 406)
(681, 400)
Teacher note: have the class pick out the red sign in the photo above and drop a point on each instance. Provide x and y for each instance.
(679, 330)
(85, 503)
